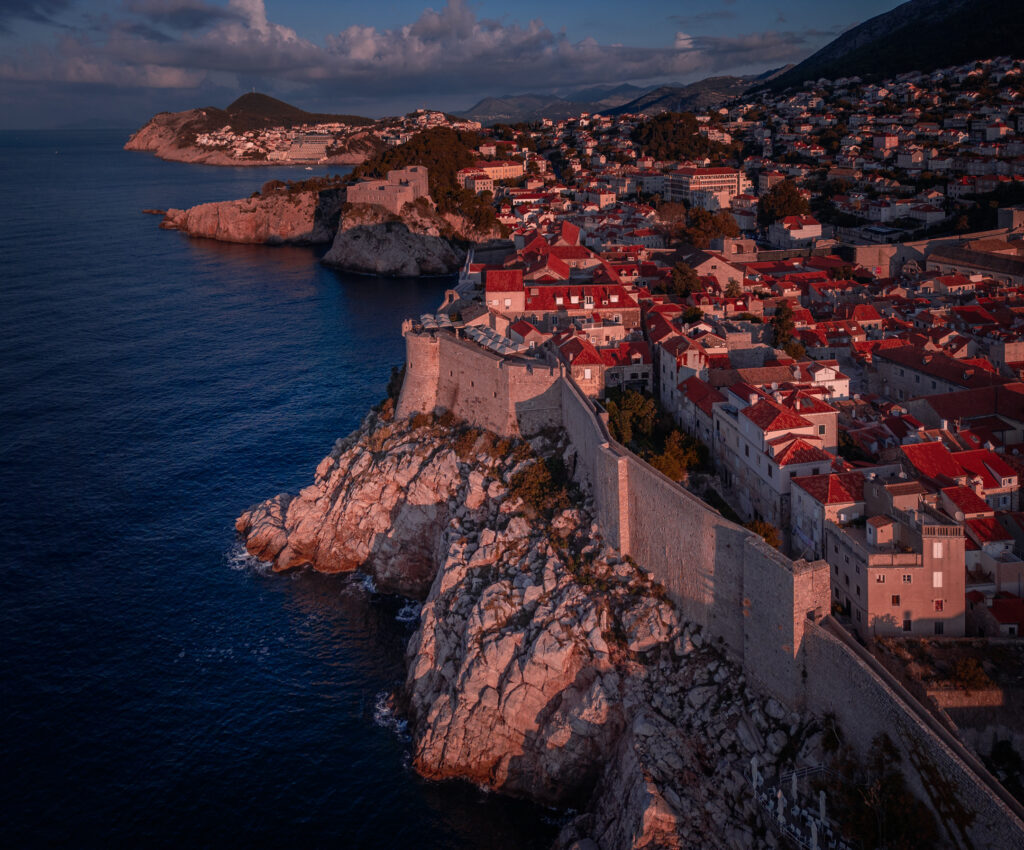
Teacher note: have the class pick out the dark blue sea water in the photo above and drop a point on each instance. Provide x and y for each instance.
(157, 689)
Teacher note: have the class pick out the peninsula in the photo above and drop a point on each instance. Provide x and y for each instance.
(260, 130)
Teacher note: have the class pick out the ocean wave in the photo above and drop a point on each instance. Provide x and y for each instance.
(409, 612)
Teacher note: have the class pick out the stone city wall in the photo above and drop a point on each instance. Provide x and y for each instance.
(765, 608)
(942, 773)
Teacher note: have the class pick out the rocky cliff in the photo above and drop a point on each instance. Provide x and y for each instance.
(420, 241)
(305, 217)
(544, 664)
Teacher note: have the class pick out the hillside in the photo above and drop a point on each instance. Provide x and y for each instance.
(511, 109)
(698, 96)
(921, 35)
(173, 135)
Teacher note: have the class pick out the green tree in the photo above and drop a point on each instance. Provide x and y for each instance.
(702, 226)
(673, 136)
(685, 281)
(733, 289)
(631, 415)
(782, 199)
(782, 324)
(692, 314)
(682, 453)
(766, 530)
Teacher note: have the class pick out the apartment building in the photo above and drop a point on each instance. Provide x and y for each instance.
(901, 571)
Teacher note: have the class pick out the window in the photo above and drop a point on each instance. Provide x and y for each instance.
(907, 578)
(586, 374)
(821, 429)
(933, 385)
(847, 580)
(938, 606)
(895, 600)
(936, 548)
(880, 579)
(936, 579)
(746, 451)
(906, 625)
(858, 590)
(939, 628)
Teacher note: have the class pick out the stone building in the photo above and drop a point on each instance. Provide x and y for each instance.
(900, 572)
(401, 187)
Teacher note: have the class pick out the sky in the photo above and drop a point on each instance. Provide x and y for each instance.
(115, 63)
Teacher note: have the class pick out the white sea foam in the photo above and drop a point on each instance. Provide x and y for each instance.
(384, 715)
(409, 612)
(366, 580)
(239, 559)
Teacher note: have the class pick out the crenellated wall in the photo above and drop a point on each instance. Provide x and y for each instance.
(766, 609)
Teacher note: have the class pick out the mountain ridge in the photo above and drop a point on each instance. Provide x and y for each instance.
(920, 35)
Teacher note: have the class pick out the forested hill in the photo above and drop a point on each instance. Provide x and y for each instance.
(255, 111)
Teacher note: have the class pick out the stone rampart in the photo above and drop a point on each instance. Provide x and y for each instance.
(507, 396)
(765, 608)
(972, 808)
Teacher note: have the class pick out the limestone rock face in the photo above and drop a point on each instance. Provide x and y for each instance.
(276, 218)
(544, 665)
(390, 249)
(378, 503)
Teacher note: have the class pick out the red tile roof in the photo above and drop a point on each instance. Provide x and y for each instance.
(966, 500)
(503, 280)
(932, 460)
(986, 530)
(833, 488)
(800, 451)
(769, 416)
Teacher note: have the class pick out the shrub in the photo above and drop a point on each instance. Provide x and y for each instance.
(465, 444)
(969, 675)
(422, 420)
(395, 382)
(543, 486)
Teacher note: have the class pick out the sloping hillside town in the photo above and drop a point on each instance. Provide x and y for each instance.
(828, 296)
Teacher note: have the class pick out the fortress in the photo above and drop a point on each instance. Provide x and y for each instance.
(770, 613)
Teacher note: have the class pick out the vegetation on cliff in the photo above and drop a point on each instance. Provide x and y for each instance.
(444, 152)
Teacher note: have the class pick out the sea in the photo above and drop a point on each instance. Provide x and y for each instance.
(159, 687)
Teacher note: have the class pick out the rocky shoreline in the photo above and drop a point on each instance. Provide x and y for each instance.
(544, 665)
(363, 238)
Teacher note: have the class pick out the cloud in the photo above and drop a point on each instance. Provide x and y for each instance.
(36, 11)
(182, 14)
(683, 41)
(700, 18)
(182, 43)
